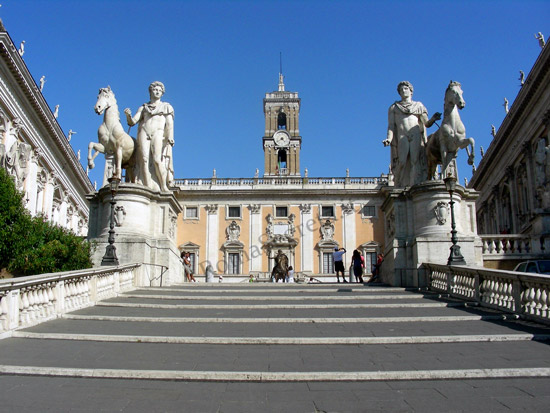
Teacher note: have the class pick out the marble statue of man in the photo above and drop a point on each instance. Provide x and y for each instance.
(155, 132)
(42, 82)
(540, 37)
(407, 123)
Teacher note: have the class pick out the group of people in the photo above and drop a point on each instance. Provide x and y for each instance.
(357, 265)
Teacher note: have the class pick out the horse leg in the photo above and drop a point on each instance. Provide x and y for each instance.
(99, 148)
(471, 156)
(118, 161)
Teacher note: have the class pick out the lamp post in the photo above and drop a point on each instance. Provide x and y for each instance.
(110, 257)
(455, 257)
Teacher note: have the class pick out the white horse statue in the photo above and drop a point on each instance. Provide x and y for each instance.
(112, 138)
(443, 144)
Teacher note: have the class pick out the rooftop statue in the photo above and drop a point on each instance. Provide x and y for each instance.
(505, 104)
(443, 145)
(155, 138)
(70, 134)
(22, 48)
(407, 123)
(56, 111)
(521, 78)
(112, 138)
(540, 37)
(42, 82)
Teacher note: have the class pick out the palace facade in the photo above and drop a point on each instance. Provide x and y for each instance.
(239, 224)
(513, 177)
(34, 149)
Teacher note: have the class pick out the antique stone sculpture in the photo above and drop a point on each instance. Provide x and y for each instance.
(443, 145)
(56, 111)
(70, 134)
(42, 82)
(407, 123)
(112, 138)
(155, 137)
(521, 77)
(505, 104)
(280, 269)
(540, 37)
(493, 131)
(22, 48)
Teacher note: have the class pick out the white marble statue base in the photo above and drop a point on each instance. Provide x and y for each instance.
(418, 230)
(145, 230)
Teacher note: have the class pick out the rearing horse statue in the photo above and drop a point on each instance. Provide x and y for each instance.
(112, 138)
(443, 144)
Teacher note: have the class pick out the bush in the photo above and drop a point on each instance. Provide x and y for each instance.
(32, 245)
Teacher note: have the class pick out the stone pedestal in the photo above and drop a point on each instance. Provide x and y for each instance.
(418, 230)
(145, 228)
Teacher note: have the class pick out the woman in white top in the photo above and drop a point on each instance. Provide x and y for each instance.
(290, 275)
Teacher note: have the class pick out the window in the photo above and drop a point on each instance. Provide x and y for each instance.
(193, 260)
(281, 212)
(370, 260)
(233, 263)
(234, 212)
(281, 159)
(328, 263)
(327, 212)
(191, 212)
(368, 211)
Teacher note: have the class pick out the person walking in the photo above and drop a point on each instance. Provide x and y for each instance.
(337, 256)
(357, 264)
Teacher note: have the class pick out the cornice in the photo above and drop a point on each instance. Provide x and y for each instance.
(20, 72)
(516, 116)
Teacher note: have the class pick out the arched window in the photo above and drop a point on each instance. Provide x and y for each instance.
(281, 121)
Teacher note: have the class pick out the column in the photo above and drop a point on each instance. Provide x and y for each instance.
(212, 234)
(348, 227)
(306, 238)
(255, 253)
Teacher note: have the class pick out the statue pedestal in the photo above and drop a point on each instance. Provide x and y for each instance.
(418, 230)
(145, 228)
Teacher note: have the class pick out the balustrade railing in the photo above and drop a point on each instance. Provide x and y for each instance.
(31, 300)
(205, 183)
(527, 295)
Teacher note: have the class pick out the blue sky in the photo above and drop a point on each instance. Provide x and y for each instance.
(217, 59)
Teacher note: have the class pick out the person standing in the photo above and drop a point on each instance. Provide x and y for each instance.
(290, 275)
(337, 256)
(187, 267)
(357, 264)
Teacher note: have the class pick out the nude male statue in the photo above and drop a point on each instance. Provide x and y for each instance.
(155, 134)
(407, 123)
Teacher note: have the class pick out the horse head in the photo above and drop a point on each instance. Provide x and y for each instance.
(453, 95)
(105, 99)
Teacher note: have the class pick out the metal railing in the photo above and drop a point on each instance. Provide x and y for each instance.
(526, 295)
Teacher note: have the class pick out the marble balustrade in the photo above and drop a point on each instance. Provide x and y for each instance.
(524, 294)
(26, 301)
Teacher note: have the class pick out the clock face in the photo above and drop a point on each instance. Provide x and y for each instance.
(281, 138)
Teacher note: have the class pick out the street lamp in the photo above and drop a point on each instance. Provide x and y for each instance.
(110, 257)
(455, 257)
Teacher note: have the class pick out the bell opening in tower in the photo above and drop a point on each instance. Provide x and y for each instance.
(281, 121)
(281, 162)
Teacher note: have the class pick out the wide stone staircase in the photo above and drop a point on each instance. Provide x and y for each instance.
(264, 347)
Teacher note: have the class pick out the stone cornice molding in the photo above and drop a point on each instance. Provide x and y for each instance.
(19, 70)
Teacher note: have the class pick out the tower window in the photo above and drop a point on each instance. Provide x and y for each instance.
(281, 160)
(281, 121)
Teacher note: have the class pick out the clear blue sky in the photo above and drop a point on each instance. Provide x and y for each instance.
(217, 59)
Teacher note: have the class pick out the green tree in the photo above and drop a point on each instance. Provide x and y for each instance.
(32, 245)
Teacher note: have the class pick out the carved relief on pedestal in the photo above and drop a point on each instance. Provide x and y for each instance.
(120, 215)
(441, 212)
(390, 225)
(172, 224)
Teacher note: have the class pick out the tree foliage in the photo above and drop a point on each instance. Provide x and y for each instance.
(32, 245)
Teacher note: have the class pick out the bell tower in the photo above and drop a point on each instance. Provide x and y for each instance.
(282, 141)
